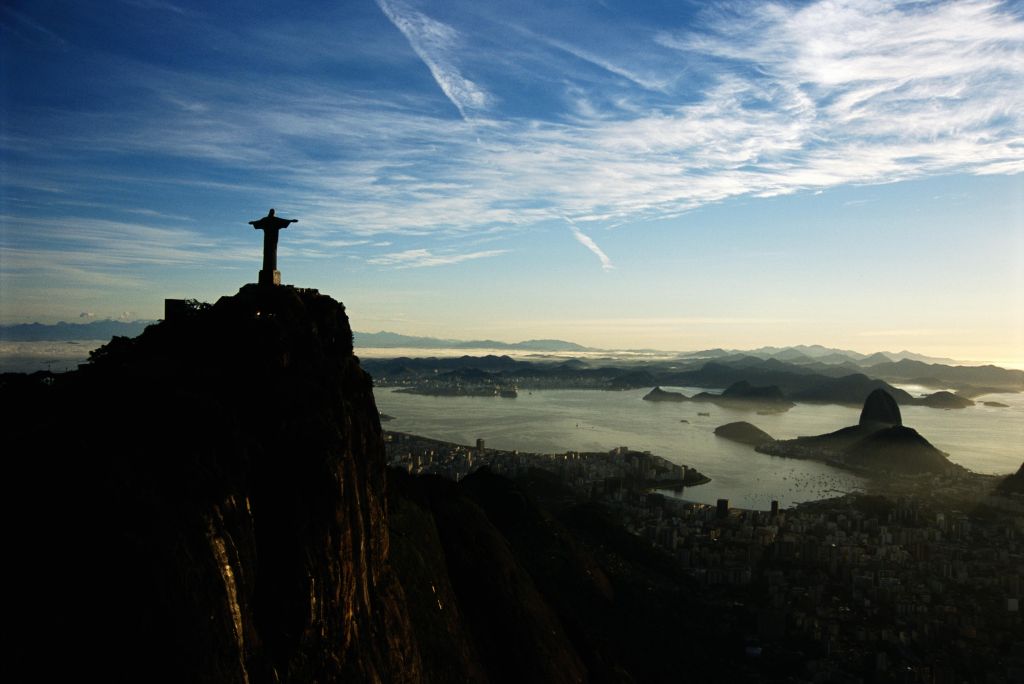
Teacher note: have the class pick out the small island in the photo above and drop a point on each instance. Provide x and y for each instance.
(744, 433)
(944, 400)
(658, 394)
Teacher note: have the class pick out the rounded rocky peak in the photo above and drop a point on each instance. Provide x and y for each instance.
(880, 407)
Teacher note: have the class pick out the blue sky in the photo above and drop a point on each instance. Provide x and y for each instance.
(675, 175)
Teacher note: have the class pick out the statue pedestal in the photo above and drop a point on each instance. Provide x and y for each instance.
(270, 277)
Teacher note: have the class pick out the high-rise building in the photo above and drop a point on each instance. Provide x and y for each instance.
(723, 508)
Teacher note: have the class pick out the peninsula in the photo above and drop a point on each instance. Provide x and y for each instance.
(879, 444)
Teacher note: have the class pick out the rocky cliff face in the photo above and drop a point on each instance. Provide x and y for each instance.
(206, 503)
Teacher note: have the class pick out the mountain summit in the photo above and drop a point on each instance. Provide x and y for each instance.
(880, 407)
(209, 502)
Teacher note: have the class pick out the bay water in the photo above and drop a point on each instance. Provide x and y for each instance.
(982, 438)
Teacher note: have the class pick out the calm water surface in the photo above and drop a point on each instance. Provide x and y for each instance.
(984, 439)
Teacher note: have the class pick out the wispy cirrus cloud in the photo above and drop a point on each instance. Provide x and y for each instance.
(35, 29)
(783, 99)
(822, 96)
(90, 243)
(436, 43)
(417, 258)
(586, 241)
(158, 5)
(897, 88)
(603, 62)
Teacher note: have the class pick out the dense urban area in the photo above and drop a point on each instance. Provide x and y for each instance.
(918, 580)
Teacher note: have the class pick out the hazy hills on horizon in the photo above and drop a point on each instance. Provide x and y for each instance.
(107, 328)
(385, 340)
(793, 354)
(828, 383)
(816, 353)
(797, 354)
(64, 331)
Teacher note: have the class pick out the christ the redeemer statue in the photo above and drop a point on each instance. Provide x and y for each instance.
(270, 225)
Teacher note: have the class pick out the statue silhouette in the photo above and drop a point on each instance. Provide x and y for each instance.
(271, 225)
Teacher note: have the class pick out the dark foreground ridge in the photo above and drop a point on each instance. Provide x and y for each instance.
(206, 503)
(209, 502)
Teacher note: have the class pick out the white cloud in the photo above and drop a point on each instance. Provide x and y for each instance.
(415, 258)
(77, 245)
(606, 64)
(158, 5)
(587, 242)
(826, 95)
(435, 43)
(809, 97)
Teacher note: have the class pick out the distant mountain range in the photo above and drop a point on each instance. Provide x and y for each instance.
(62, 332)
(105, 329)
(815, 358)
(816, 353)
(802, 373)
(848, 382)
(387, 340)
(788, 382)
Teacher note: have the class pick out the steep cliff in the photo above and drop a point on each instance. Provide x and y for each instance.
(206, 503)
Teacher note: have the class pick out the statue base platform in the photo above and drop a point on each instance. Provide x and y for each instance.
(270, 277)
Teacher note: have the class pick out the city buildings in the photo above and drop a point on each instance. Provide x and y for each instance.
(920, 582)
